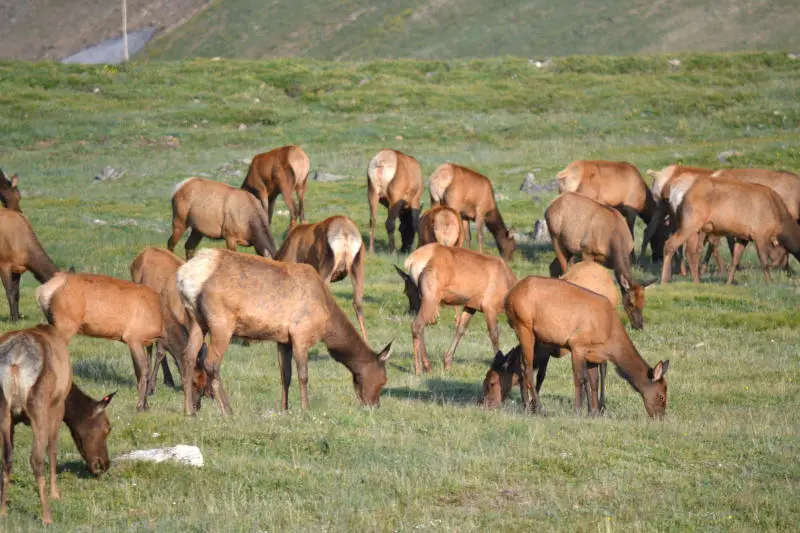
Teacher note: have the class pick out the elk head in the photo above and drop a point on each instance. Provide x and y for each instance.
(655, 397)
(9, 193)
(90, 429)
(369, 382)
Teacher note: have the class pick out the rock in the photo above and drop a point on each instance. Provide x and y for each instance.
(515, 170)
(363, 81)
(109, 174)
(722, 157)
(242, 127)
(792, 56)
(541, 64)
(182, 453)
(540, 233)
(327, 177)
(674, 63)
(530, 186)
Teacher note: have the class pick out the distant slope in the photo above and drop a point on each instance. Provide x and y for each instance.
(366, 29)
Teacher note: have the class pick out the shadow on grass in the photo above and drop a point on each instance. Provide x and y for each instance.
(535, 251)
(440, 392)
(99, 370)
(78, 468)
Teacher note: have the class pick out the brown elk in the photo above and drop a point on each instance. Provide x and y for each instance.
(745, 211)
(454, 276)
(37, 389)
(20, 251)
(108, 308)
(505, 370)
(280, 171)
(786, 184)
(9, 193)
(471, 195)
(441, 224)
(335, 249)
(260, 299)
(395, 180)
(218, 211)
(554, 311)
(615, 183)
(579, 225)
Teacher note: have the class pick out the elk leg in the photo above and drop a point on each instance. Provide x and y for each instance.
(231, 243)
(218, 344)
(8, 449)
(394, 212)
(655, 223)
(427, 311)
(527, 342)
(178, 229)
(285, 365)
(372, 198)
(40, 435)
(603, 371)
(271, 199)
(670, 247)
(738, 249)
(466, 232)
(561, 255)
(52, 451)
(593, 400)
(461, 327)
(301, 360)
(541, 358)
(154, 364)
(630, 217)
(479, 231)
(11, 293)
(578, 378)
(494, 330)
(356, 273)
(301, 198)
(286, 190)
(692, 251)
(191, 397)
(763, 257)
(141, 368)
(192, 242)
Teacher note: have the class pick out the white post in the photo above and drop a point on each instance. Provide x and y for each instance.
(124, 31)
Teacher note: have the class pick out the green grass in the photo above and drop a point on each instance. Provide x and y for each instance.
(427, 29)
(724, 459)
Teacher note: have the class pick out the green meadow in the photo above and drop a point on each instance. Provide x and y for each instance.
(725, 458)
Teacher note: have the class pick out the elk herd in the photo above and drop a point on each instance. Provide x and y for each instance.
(193, 309)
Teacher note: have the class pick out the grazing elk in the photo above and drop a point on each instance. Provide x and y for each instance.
(227, 293)
(335, 249)
(395, 180)
(472, 196)
(615, 183)
(744, 211)
(9, 193)
(554, 311)
(37, 389)
(280, 171)
(504, 372)
(218, 211)
(786, 184)
(441, 224)
(108, 308)
(579, 225)
(20, 251)
(453, 276)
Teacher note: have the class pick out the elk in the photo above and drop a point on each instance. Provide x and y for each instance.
(786, 184)
(554, 311)
(454, 276)
(280, 171)
(441, 224)
(472, 196)
(615, 183)
(227, 293)
(579, 225)
(20, 251)
(37, 389)
(505, 370)
(9, 193)
(107, 308)
(335, 249)
(745, 211)
(218, 211)
(395, 180)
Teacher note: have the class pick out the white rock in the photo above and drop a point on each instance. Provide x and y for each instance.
(182, 453)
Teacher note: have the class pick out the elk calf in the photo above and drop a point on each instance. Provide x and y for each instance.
(454, 276)
(227, 293)
(441, 224)
(553, 311)
(218, 211)
(579, 225)
(101, 306)
(472, 196)
(394, 179)
(335, 249)
(20, 251)
(280, 171)
(37, 388)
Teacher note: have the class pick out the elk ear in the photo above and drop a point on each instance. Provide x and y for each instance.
(660, 370)
(386, 353)
(625, 284)
(14, 180)
(652, 173)
(402, 274)
(649, 283)
(103, 403)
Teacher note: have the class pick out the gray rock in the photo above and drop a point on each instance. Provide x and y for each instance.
(109, 174)
(724, 156)
(540, 233)
(327, 177)
(530, 186)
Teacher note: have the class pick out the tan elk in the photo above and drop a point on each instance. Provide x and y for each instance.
(744, 211)
(20, 251)
(9, 193)
(554, 311)
(108, 308)
(395, 180)
(335, 249)
(441, 224)
(283, 171)
(471, 195)
(37, 389)
(504, 372)
(227, 293)
(615, 183)
(581, 226)
(440, 274)
(218, 211)
(786, 184)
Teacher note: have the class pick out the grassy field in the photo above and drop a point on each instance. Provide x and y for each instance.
(724, 459)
